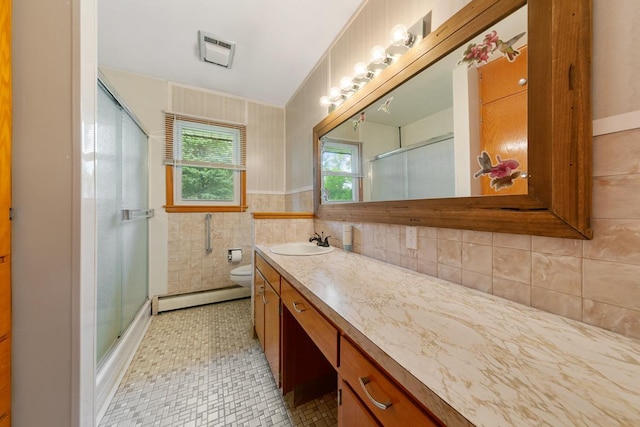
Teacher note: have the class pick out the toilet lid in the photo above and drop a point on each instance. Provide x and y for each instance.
(245, 270)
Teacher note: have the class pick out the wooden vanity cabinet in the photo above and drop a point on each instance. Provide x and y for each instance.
(309, 356)
(267, 313)
(351, 411)
(320, 330)
(389, 404)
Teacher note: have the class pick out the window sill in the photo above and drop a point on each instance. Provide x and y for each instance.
(192, 209)
(282, 215)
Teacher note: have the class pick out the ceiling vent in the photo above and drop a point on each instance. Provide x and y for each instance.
(215, 50)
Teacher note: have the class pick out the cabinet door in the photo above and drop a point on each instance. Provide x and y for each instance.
(385, 400)
(268, 273)
(351, 411)
(272, 330)
(258, 306)
(504, 117)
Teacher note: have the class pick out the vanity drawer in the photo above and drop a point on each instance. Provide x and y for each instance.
(269, 273)
(321, 332)
(377, 391)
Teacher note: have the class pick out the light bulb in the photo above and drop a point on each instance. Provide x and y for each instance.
(325, 101)
(379, 55)
(401, 37)
(335, 95)
(361, 71)
(346, 84)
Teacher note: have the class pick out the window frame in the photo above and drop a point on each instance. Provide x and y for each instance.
(356, 174)
(173, 124)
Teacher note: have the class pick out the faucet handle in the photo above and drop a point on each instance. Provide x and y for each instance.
(315, 237)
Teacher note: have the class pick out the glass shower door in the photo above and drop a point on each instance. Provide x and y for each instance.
(122, 230)
(134, 220)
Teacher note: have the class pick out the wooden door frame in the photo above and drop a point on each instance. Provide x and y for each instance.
(5, 209)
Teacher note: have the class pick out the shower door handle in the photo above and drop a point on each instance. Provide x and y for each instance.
(133, 214)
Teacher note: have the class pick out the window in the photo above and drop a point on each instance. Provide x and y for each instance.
(341, 177)
(205, 165)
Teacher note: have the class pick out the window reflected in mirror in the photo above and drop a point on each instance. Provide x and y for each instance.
(457, 129)
(341, 176)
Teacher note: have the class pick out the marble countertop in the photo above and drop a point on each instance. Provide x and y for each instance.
(473, 358)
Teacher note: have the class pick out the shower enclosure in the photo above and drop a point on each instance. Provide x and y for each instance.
(121, 220)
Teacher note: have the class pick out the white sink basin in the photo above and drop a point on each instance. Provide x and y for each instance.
(300, 248)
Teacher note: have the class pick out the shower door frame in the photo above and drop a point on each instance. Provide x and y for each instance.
(112, 365)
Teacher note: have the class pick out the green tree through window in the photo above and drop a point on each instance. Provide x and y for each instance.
(340, 172)
(207, 163)
(206, 183)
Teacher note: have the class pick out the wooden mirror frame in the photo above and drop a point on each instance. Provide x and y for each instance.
(558, 203)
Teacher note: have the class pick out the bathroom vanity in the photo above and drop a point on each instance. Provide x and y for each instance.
(408, 349)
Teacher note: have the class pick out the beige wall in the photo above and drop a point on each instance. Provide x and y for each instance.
(53, 247)
(42, 343)
(594, 281)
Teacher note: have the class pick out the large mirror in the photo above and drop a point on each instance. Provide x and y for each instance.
(484, 125)
(436, 135)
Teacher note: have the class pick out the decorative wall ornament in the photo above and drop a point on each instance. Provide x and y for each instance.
(502, 174)
(356, 123)
(477, 54)
(385, 106)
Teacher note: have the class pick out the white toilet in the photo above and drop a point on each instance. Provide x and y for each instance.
(242, 276)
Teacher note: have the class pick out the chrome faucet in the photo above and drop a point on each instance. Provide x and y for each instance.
(320, 240)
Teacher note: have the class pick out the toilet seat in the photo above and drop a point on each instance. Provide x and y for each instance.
(244, 270)
(242, 275)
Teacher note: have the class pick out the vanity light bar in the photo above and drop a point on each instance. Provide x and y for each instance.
(380, 57)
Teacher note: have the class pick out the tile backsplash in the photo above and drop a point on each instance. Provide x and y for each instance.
(551, 274)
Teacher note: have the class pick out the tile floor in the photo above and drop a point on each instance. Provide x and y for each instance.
(201, 367)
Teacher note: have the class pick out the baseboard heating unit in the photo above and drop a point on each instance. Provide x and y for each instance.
(175, 302)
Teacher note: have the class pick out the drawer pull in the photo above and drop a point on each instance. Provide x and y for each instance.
(295, 307)
(363, 383)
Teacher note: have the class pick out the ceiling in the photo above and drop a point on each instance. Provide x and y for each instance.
(278, 42)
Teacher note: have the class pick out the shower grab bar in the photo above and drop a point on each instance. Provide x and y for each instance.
(207, 231)
(133, 214)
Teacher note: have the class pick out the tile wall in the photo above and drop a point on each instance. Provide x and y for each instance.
(190, 267)
(282, 230)
(301, 201)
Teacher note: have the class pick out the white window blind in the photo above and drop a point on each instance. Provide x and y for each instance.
(227, 149)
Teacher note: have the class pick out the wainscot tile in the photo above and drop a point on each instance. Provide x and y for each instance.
(514, 291)
(614, 240)
(557, 272)
(557, 302)
(515, 241)
(479, 281)
(478, 258)
(612, 283)
(512, 264)
(617, 319)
